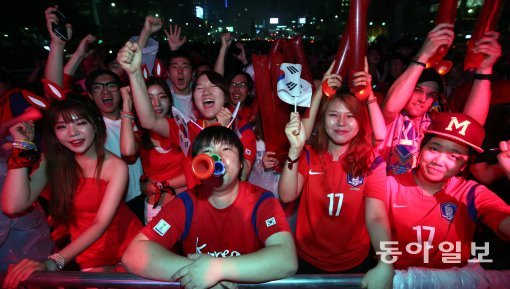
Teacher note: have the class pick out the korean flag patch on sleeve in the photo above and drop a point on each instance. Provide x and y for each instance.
(161, 227)
(270, 222)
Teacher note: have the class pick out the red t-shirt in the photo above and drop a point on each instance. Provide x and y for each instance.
(165, 162)
(447, 216)
(170, 161)
(330, 232)
(219, 232)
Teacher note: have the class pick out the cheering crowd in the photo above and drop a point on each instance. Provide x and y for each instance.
(106, 178)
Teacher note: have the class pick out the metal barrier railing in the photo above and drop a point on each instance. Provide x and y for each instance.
(465, 277)
(77, 279)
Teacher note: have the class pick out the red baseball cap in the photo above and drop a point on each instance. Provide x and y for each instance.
(459, 127)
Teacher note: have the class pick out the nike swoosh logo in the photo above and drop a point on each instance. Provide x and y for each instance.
(399, 206)
(315, 173)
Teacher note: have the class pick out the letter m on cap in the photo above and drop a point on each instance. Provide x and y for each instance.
(462, 127)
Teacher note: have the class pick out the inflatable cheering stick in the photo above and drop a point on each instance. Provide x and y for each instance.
(340, 65)
(487, 21)
(204, 166)
(357, 41)
(446, 14)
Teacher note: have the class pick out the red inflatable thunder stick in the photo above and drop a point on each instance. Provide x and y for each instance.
(357, 42)
(352, 48)
(341, 63)
(487, 21)
(446, 14)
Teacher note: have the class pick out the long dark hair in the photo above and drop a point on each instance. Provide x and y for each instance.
(63, 171)
(359, 153)
(145, 139)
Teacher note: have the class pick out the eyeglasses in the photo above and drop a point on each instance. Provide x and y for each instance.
(239, 85)
(428, 94)
(98, 87)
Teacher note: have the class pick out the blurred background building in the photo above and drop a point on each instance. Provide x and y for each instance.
(23, 31)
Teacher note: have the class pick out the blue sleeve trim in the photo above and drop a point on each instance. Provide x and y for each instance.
(245, 127)
(472, 211)
(188, 206)
(266, 195)
(307, 155)
(378, 161)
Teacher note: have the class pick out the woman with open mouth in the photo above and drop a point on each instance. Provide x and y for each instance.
(210, 97)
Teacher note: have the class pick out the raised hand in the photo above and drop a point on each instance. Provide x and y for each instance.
(504, 157)
(490, 48)
(296, 134)
(23, 131)
(226, 40)
(442, 34)
(130, 57)
(241, 56)
(364, 79)
(127, 99)
(175, 41)
(224, 116)
(51, 18)
(83, 47)
(152, 24)
(269, 161)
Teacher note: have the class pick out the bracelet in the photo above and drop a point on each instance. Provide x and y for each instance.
(419, 63)
(23, 144)
(291, 162)
(369, 101)
(58, 260)
(22, 158)
(480, 76)
(127, 115)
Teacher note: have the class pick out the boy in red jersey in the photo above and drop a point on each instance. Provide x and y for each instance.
(223, 217)
(433, 212)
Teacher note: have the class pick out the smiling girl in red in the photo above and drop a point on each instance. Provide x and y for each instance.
(341, 185)
(86, 184)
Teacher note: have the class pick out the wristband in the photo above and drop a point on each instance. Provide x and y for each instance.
(58, 260)
(369, 101)
(127, 114)
(22, 158)
(479, 76)
(291, 162)
(24, 145)
(419, 63)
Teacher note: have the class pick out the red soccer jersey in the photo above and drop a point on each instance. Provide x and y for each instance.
(219, 232)
(331, 233)
(165, 162)
(446, 217)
